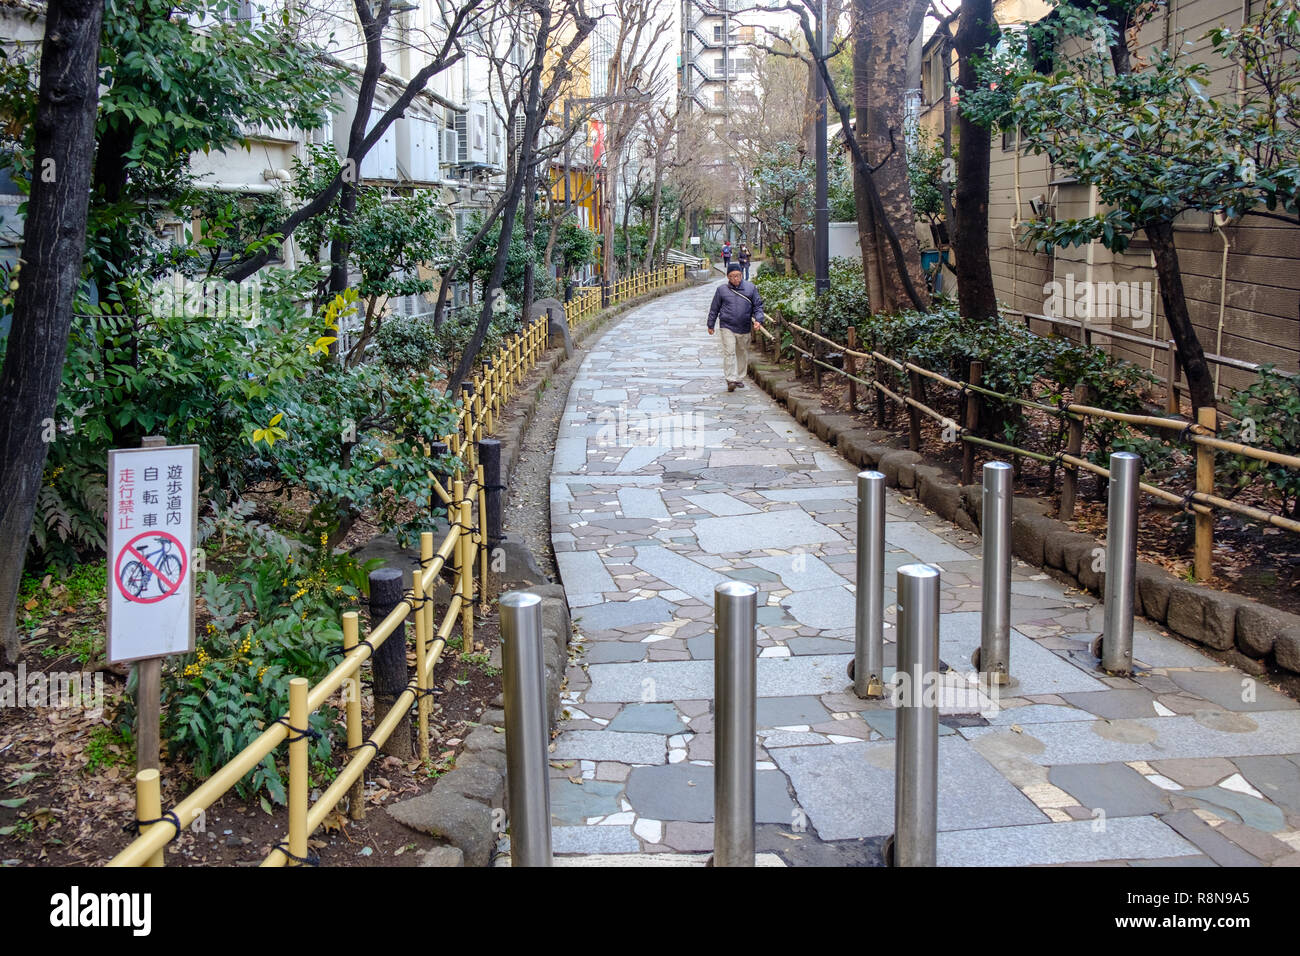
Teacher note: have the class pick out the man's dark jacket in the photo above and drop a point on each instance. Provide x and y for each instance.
(735, 307)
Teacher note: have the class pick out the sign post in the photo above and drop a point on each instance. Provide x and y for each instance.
(152, 533)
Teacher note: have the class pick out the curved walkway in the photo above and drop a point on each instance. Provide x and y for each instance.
(664, 484)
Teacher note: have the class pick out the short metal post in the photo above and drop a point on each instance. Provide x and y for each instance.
(528, 792)
(869, 622)
(735, 688)
(916, 772)
(995, 611)
(1121, 563)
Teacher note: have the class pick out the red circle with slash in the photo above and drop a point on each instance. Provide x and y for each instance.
(169, 587)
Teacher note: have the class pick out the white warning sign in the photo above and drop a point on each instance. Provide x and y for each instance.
(152, 530)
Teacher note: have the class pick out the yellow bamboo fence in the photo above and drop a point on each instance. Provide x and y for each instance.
(462, 551)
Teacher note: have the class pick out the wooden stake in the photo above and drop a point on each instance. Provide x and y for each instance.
(1073, 446)
(850, 366)
(971, 423)
(1204, 566)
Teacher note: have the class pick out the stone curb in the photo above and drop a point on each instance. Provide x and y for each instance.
(1240, 631)
(463, 806)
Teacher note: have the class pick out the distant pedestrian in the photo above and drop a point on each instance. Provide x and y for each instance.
(743, 259)
(739, 308)
(726, 256)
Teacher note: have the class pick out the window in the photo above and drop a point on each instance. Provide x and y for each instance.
(717, 33)
(932, 78)
(1008, 140)
(733, 65)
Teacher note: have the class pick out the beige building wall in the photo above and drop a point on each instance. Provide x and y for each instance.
(1257, 293)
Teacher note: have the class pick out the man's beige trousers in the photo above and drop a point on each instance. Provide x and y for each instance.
(735, 355)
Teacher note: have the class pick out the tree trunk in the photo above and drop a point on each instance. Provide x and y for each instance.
(511, 198)
(660, 148)
(872, 251)
(1200, 383)
(54, 241)
(526, 150)
(889, 29)
(373, 31)
(977, 302)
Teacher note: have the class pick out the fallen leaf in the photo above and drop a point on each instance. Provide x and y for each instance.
(577, 780)
(791, 836)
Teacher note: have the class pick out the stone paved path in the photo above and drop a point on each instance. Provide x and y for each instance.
(664, 484)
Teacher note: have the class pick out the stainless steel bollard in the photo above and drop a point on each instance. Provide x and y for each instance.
(995, 611)
(916, 755)
(735, 688)
(527, 738)
(869, 621)
(1121, 563)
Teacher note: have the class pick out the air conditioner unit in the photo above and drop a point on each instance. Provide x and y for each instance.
(450, 146)
(473, 130)
(517, 131)
(461, 155)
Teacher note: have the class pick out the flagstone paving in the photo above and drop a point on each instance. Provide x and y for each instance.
(665, 484)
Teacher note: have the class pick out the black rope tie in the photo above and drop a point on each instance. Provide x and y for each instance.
(311, 859)
(363, 642)
(169, 816)
(366, 743)
(1187, 432)
(414, 603)
(303, 734)
(424, 692)
(495, 487)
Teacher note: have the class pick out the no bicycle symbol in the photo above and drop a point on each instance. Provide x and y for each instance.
(149, 572)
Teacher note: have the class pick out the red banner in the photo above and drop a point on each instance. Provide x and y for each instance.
(598, 141)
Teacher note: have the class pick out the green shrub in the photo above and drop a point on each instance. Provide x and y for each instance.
(1269, 416)
(274, 617)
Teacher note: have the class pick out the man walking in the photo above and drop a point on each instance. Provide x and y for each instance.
(739, 308)
(743, 259)
(726, 256)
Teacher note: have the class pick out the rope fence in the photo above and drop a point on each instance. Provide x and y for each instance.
(463, 552)
(1200, 435)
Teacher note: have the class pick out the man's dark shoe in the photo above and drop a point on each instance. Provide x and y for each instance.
(731, 386)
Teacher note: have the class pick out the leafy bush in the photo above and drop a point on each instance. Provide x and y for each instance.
(274, 617)
(408, 343)
(1269, 412)
(1016, 362)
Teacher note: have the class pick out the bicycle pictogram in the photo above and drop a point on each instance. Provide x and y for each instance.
(146, 576)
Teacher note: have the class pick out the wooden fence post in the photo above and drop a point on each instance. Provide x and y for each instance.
(914, 413)
(1175, 367)
(817, 353)
(1073, 446)
(352, 711)
(971, 423)
(1204, 565)
(851, 366)
(388, 669)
